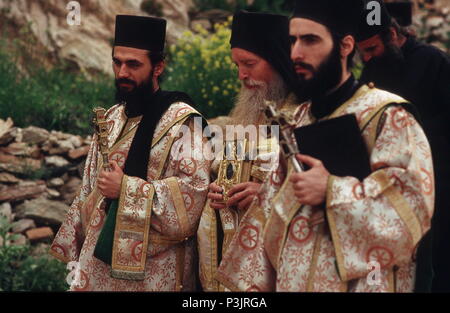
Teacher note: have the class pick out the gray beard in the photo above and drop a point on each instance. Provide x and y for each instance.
(250, 103)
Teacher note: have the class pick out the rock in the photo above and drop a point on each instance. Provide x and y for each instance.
(13, 134)
(59, 146)
(78, 153)
(7, 137)
(17, 134)
(440, 33)
(87, 46)
(23, 225)
(441, 4)
(88, 140)
(16, 148)
(22, 149)
(57, 151)
(38, 234)
(70, 190)
(76, 141)
(6, 211)
(62, 147)
(46, 146)
(34, 135)
(65, 177)
(55, 182)
(56, 161)
(23, 191)
(176, 10)
(6, 178)
(176, 14)
(446, 13)
(5, 127)
(18, 165)
(43, 211)
(53, 194)
(60, 136)
(434, 21)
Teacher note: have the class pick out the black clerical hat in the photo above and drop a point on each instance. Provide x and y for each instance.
(401, 11)
(367, 28)
(266, 35)
(141, 32)
(339, 16)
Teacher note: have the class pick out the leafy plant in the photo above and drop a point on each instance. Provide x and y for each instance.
(19, 271)
(40, 274)
(53, 99)
(357, 69)
(200, 64)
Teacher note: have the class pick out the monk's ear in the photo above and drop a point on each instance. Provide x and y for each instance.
(394, 35)
(347, 46)
(159, 69)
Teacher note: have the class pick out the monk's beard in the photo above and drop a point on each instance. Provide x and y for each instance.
(386, 71)
(250, 102)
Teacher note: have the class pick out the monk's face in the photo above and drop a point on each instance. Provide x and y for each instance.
(132, 68)
(253, 70)
(371, 48)
(311, 46)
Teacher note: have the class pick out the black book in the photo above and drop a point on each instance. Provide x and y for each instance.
(338, 143)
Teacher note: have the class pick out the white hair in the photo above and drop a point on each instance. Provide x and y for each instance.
(250, 102)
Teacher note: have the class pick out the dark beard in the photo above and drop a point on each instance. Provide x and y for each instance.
(136, 99)
(385, 71)
(325, 78)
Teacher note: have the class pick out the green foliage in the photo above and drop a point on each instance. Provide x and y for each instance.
(357, 69)
(200, 65)
(19, 271)
(30, 173)
(41, 274)
(52, 99)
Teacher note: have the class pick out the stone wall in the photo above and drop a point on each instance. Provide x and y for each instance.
(40, 174)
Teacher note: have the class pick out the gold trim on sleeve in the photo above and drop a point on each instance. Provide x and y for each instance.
(59, 256)
(315, 258)
(400, 205)
(337, 245)
(179, 275)
(329, 194)
(179, 205)
(405, 212)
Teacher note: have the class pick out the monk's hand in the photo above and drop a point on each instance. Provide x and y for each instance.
(216, 197)
(109, 182)
(241, 195)
(311, 186)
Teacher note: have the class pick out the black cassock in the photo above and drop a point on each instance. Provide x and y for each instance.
(423, 78)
